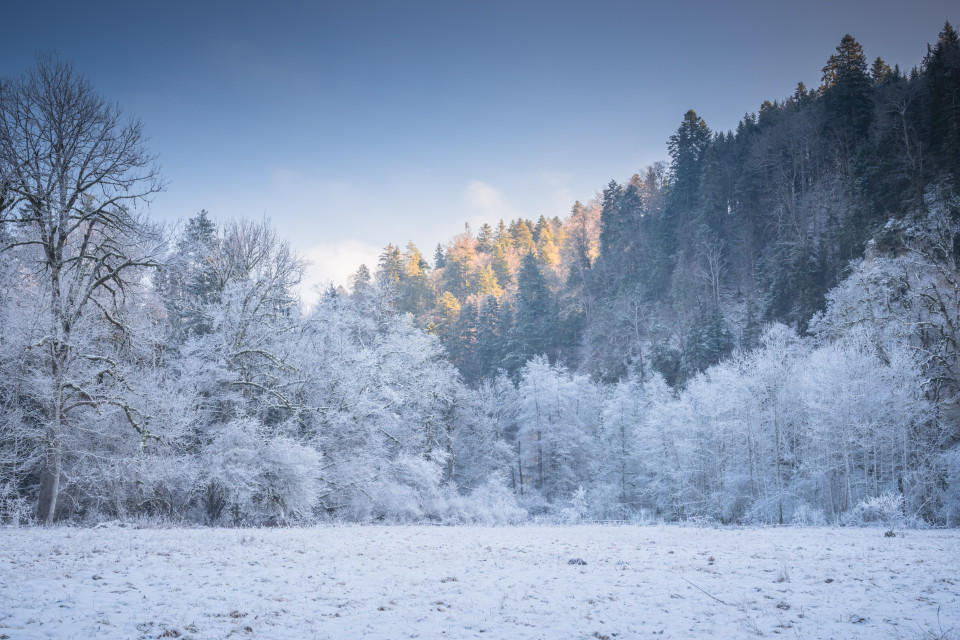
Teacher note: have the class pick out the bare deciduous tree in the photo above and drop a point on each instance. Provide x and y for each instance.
(73, 169)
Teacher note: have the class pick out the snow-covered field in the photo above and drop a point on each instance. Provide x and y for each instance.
(473, 582)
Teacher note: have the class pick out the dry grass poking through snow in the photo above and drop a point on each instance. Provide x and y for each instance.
(469, 582)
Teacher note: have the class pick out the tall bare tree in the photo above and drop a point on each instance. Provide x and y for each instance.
(73, 169)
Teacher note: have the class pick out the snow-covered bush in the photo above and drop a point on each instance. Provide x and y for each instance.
(490, 504)
(261, 475)
(806, 516)
(493, 504)
(14, 508)
(951, 506)
(884, 510)
(576, 511)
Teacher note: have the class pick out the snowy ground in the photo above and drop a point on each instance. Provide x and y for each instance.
(471, 582)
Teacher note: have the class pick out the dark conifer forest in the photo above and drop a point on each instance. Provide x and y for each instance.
(762, 328)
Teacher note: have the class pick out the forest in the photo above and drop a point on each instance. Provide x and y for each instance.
(762, 329)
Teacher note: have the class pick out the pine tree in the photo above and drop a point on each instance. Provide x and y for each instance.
(448, 310)
(360, 282)
(708, 341)
(459, 268)
(486, 281)
(461, 343)
(485, 238)
(501, 237)
(535, 321)
(846, 88)
(688, 149)
(390, 266)
(415, 290)
(942, 73)
(547, 251)
(490, 337)
(611, 239)
(521, 236)
(500, 266)
(880, 71)
(582, 261)
(189, 283)
(439, 259)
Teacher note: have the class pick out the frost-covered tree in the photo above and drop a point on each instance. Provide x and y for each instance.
(384, 411)
(558, 414)
(74, 168)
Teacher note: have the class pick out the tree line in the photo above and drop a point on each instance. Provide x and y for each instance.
(674, 268)
(763, 330)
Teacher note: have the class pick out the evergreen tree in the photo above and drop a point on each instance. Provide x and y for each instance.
(500, 266)
(880, 71)
(846, 88)
(801, 96)
(486, 281)
(688, 149)
(942, 74)
(485, 238)
(448, 310)
(415, 290)
(521, 236)
(490, 338)
(461, 343)
(611, 238)
(390, 266)
(538, 228)
(610, 221)
(547, 250)
(501, 236)
(708, 341)
(188, 283)
(459, 268)
(361, 282)
(439, 259)
(580, 241)
(535, 321)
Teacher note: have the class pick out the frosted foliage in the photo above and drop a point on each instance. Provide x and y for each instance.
(385, 413)
(14, 509)
(262, 476)
(256, 412)
(576, 511)
(951, 509)
(564, 371)
(885, 509)
(790, 432)
(558, 414)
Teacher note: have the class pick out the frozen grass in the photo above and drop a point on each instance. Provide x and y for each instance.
(473, 582)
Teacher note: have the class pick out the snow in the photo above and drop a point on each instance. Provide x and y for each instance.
(475, 582)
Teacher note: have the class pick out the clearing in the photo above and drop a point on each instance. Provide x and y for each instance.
(476, 582)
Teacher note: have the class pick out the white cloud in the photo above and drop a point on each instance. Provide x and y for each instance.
(486, 202)
(558, 193)
(335, 262)
(484, 196)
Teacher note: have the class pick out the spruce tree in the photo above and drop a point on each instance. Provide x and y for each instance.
(485, 238)
(688, 149)
(489, 337)
(846, 88)
(535, 321)
(390, 266)
(501, 266)
(942, 74)
(439, 259)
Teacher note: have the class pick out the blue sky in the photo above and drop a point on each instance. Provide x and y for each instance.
(354, 124)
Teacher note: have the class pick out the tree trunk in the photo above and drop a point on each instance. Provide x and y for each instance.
(50, 477)
(50, 474)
